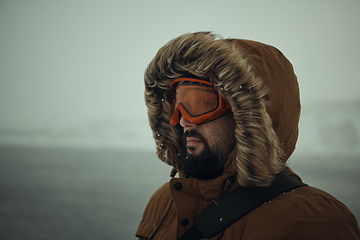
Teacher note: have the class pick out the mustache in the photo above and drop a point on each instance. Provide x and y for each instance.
(193, 133)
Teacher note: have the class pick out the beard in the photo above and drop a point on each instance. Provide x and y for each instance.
(208, 164)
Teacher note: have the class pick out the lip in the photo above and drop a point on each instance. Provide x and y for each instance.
(191, 141)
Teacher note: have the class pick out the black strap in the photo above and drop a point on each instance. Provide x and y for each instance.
(226, 210)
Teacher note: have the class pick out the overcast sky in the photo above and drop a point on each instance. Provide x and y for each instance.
(67, 65)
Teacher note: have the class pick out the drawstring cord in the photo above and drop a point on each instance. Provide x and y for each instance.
(228, 184)
(173, 172)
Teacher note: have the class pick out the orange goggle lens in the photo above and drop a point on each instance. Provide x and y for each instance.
(196, 101)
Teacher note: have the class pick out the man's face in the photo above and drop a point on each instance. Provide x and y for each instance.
(206, 147)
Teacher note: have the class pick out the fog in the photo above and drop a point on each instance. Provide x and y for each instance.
(73, 122)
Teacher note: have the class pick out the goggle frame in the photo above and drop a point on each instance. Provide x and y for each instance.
(222, 108)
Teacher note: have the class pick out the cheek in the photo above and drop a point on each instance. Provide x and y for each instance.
(220, 133)
(224, 134)
(220, 136)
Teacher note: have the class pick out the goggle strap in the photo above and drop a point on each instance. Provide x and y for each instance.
(190, 80)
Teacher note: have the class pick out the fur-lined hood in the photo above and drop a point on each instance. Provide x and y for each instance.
(258, 82)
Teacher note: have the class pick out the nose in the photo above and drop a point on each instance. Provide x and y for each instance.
(186, 124)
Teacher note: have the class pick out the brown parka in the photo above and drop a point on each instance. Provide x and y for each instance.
(260, 85)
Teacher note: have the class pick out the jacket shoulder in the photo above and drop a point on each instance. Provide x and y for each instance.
(316, 214)
(303, 213)
(158, 204)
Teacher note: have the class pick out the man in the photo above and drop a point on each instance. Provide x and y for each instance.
(224, 113)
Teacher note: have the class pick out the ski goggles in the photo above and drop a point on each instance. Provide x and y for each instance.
(196, 101)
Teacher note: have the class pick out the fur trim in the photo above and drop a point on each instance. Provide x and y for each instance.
(259, 153)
